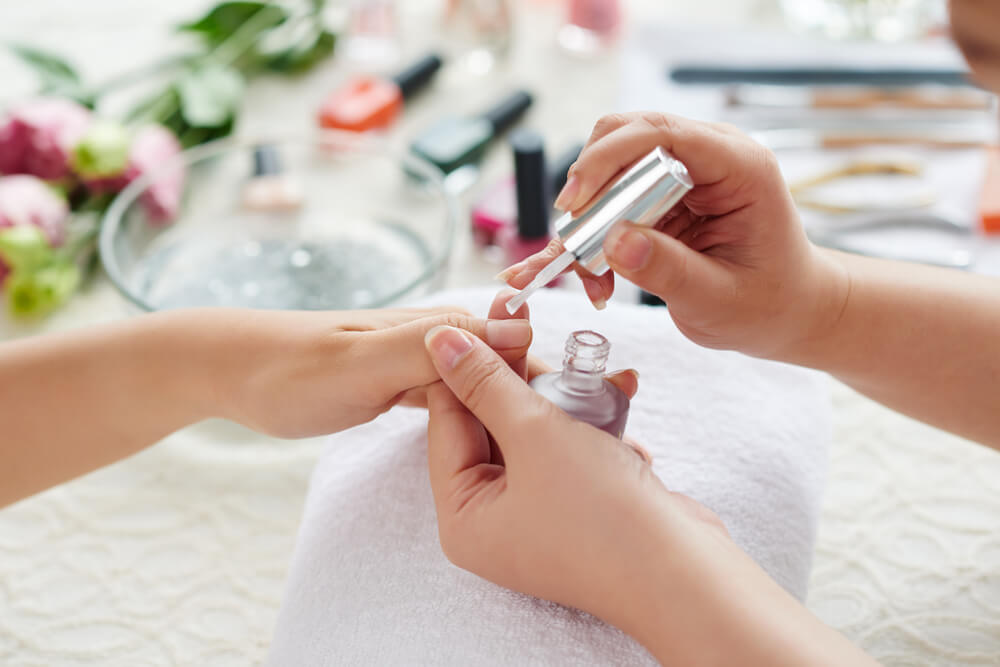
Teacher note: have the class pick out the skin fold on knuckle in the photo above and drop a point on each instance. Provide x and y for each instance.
(463, 321)
(481, 378)
(609, 123)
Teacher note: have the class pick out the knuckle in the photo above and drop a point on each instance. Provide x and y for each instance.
(457, 320)
(662, 122)
(674, 275)
(609, 123)
(480, 383)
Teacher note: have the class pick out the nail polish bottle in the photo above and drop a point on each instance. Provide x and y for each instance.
(371, 36)
(591, 25)
(580, 388)
(454, 142)
(370, 102)
(270, 189)
(534, 203)
(496, 211)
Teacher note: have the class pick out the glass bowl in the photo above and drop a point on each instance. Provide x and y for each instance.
(374, 225)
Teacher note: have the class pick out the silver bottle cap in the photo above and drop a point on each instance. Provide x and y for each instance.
(643, 195)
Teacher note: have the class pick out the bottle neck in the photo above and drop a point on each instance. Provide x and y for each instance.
(585, 362)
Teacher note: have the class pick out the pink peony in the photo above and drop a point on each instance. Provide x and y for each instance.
(38, 137)
(26, 200)
(155, 149)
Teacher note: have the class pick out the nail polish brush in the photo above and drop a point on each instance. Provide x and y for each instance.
(642, 195)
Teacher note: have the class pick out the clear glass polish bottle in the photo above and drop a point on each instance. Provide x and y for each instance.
(580, 388)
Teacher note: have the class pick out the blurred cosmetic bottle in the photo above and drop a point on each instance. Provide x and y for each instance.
(371, 39)
(591, 25)
(477, 35)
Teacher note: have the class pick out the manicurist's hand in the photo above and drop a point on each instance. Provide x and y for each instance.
(731, 261)
(538, 502)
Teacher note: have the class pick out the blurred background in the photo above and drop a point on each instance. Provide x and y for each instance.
(359, 153)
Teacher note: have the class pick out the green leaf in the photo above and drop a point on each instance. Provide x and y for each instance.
(24, 247)
(303, 55)
(39, 292)
(210, 96)
(56, 76)
(227, 17)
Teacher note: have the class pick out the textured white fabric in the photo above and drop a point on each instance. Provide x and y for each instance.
(369, 584)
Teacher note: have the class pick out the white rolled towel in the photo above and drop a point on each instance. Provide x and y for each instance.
(369, 585)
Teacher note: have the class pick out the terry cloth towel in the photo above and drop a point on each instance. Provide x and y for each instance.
(369, 585)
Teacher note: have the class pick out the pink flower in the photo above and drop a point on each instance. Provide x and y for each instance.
(155, 149)
(26, 200)
(38, 136)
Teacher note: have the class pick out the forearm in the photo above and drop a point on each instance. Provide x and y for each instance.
(715, 606)
(75, 401)
(920, 340)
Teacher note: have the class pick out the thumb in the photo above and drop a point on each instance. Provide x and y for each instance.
(483, 383)
(663, 265)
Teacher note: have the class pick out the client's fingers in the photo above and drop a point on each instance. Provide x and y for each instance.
(627, 381)
(498, 311)
(536, 367)
(397, 355)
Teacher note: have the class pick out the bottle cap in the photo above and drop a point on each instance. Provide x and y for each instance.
(266, 160)
(532, 186)
(643, 195)
(506, 112)
(417, 75)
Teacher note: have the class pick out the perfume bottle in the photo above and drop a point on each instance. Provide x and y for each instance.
(580, 388)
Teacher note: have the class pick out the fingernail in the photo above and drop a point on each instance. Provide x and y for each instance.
(505, 334)
(447, 345)
(594, 292)
(627, 247)
(509, 272)
(568, 193)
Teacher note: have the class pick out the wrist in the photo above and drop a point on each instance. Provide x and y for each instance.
(703, 601)
(820, 309)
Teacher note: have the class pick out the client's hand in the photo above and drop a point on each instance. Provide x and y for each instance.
(732, 261)
(307, 374)
(538, 502)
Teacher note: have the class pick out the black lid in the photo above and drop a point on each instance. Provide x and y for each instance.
(560, 169)
(506, 112)
(266, 160)
(649, 299)
(417, 75)
(533, 198)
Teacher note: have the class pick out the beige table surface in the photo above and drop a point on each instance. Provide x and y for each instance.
(178, 555)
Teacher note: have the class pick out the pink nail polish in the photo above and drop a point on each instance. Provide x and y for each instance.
(532, 232)
(270, 189)
(495, 213)
(580, 388)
